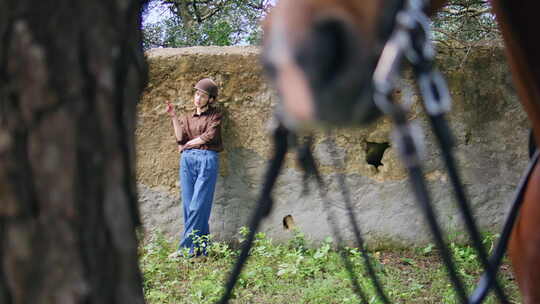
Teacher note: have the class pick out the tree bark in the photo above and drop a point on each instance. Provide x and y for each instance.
(71, 73)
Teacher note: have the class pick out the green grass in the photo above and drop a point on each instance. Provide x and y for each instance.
(297, 272)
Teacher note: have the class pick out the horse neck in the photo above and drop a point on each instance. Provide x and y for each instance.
(518, 21)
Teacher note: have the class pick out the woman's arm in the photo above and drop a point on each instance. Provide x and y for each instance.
(213, 125)
(212, 128)
(178, 132)
(197, 141)
(177, 125)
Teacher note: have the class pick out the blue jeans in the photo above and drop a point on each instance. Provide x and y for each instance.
(198, 175)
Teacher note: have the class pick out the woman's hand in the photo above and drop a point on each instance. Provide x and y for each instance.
(189, 145)
(170, 109)
(193, 143)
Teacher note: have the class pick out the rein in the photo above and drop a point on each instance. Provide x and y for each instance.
(409, 40)
(263, 207)
(309, 166)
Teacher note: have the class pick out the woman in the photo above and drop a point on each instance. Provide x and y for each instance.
(198, 136)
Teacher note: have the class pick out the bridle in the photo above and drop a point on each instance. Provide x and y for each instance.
(409, 42)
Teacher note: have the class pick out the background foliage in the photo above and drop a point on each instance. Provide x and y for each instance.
(461, 24)
(204, 22)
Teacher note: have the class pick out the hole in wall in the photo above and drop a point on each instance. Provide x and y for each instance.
(468, 136)
(288, 222)
(375, 152)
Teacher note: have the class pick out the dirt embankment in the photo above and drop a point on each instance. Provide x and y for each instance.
(488, 123)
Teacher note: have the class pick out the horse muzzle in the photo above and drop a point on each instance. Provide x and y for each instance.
(326, 78)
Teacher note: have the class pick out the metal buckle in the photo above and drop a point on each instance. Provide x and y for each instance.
(435, 92)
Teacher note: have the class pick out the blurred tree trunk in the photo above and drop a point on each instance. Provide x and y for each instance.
(71, 73)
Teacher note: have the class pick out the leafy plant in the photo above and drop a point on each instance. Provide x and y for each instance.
(299, 272)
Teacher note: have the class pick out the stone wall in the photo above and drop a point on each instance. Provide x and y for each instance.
(488, 123)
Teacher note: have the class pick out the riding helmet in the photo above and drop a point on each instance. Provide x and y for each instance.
(208, 86)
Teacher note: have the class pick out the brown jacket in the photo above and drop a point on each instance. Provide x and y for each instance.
(207, 126)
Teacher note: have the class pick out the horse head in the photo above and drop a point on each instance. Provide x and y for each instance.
(321, 55)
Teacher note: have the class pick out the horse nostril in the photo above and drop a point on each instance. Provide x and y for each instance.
(326, 53)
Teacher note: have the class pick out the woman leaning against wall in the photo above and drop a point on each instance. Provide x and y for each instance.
(198, 135)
